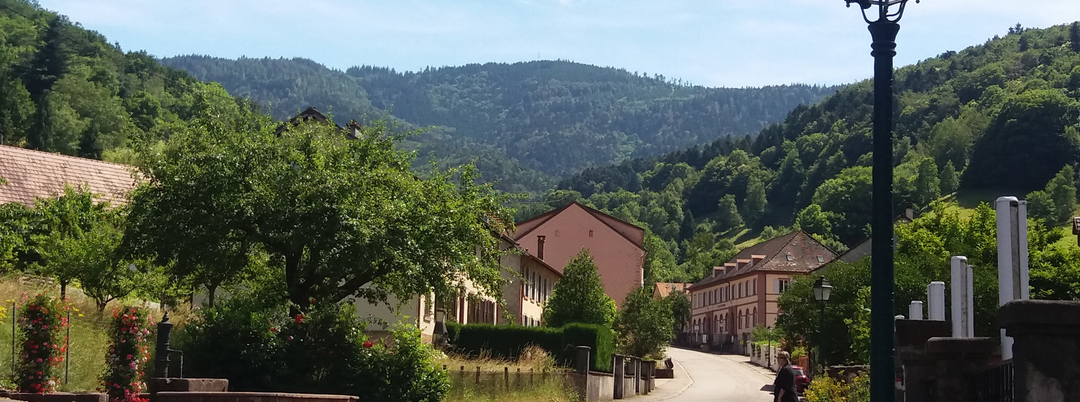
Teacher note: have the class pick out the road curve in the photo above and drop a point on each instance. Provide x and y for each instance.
(715, 378)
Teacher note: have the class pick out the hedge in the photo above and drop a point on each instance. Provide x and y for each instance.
(508, 342)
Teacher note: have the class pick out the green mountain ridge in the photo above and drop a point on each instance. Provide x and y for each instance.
(550, 117)
(996, 118)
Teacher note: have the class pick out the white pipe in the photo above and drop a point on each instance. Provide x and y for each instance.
(915, 310)
(963, 302)
(935, 296)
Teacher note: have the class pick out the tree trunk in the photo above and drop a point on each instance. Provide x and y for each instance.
(211, 290)
(63, 290)
(298, 292)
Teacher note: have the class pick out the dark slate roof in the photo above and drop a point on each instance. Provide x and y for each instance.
(802, 247)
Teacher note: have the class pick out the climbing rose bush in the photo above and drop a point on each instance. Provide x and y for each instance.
(41, 320)
(129, 332)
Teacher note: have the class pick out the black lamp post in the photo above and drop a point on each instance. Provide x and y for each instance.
(822, 291)
(883, 16)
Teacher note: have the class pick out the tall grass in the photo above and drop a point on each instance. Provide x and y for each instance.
(533, 377)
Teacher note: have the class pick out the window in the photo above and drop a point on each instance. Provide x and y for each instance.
(820, 258)
(789, 257)
(590, 232)
(782, 285)
(753, 287)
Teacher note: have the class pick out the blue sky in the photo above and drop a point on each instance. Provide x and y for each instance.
(732, 43)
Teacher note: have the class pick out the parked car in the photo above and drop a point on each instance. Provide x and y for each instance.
(801, 380)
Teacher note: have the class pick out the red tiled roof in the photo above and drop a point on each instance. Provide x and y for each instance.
(34, 174)
(663, 289)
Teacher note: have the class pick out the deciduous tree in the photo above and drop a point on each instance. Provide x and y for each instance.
(579, 296)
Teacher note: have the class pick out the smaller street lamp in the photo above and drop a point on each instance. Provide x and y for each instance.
(822, 291)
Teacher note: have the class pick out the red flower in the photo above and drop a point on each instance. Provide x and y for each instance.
(368, 344)
(274, 330)
(299, 318)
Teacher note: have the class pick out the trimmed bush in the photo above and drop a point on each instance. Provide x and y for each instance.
(598, 337)
(504, 342)
(508, 342)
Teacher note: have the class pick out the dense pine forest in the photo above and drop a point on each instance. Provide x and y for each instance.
(996, 118)
(65, 89)
(528, 122)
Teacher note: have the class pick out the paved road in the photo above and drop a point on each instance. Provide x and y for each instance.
(713, 378)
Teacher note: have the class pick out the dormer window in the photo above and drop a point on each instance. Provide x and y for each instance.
(789, 257)
(820, 258)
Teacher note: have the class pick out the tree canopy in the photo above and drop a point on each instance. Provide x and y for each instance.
(344, 217)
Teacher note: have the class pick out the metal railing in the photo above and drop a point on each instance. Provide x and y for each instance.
(994, 384)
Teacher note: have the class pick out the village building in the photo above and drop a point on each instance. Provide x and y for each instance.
(743, 293)
(31, 174)
(617, 247)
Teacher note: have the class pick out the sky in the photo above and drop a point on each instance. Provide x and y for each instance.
(716, 43)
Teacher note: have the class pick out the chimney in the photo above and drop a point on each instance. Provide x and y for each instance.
(540, 247)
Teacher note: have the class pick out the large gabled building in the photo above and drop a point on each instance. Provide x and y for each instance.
(617, 247)
(743, 293)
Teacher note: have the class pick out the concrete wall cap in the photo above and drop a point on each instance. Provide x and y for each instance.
(950, 345)
(1058, 316)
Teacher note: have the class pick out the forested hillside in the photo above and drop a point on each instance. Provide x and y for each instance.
(66, 89)
(553, 117)
(996, 118)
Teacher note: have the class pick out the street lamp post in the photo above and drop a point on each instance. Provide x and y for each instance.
(883, 28)
(822, 291)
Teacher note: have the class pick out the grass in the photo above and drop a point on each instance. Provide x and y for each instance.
(505, 381)
(88, 340)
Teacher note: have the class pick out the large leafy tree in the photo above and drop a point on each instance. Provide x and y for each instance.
(346, 217)
(579, 296)
(645, 325)
(64, 223)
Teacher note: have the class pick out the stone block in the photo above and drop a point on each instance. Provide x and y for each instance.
(155, 385)
(1046, 348)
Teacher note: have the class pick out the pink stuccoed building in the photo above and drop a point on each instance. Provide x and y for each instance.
(617, 247)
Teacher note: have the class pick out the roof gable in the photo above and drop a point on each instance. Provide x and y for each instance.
(629, 231)
(34, 174)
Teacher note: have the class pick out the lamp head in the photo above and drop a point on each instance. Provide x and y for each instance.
(822, 289)
(888, 10)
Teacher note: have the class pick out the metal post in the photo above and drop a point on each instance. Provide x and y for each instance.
(161, 362)
(67, 350)
(821, 338)
(882, 372)
(14, 317)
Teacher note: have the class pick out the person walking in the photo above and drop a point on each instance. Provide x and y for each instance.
(784, 385)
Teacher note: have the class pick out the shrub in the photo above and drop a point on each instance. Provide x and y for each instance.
(233, 340)
(322, 351)
(41, 320)
(128, 353)
(828, 389)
